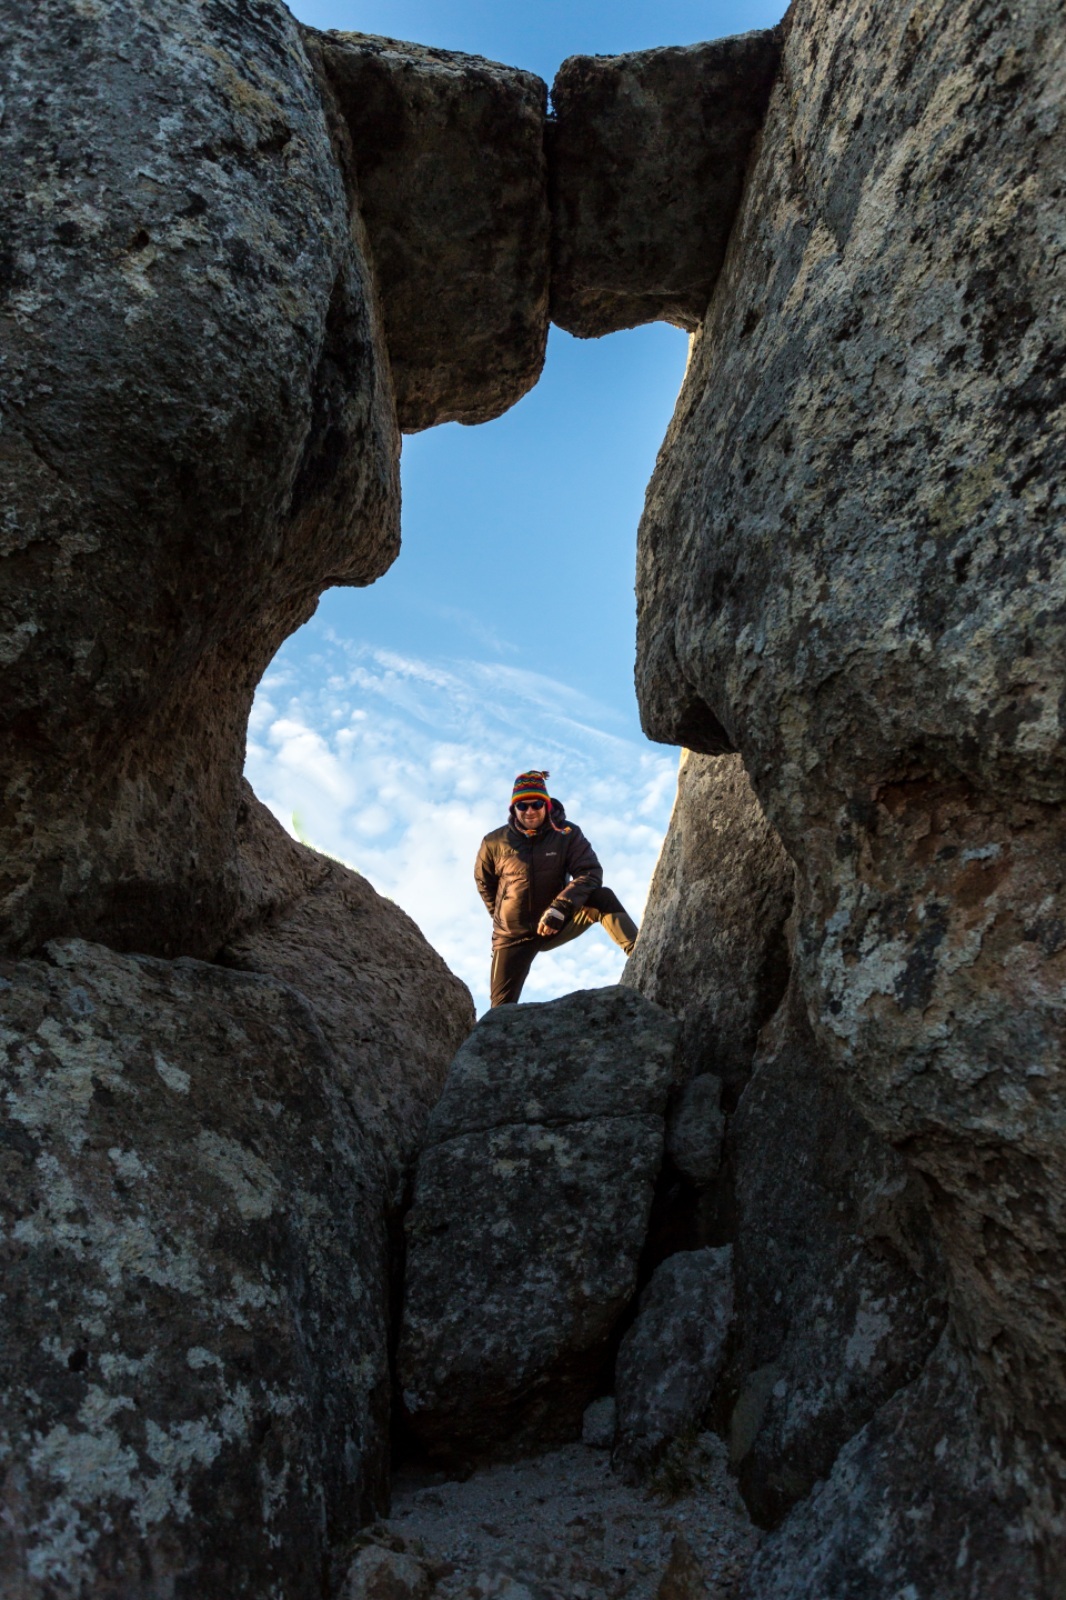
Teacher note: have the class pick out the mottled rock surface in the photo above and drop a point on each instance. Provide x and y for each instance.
(451, 181)
(695, 1128)
(648, 154)
(198, 437)
(836, 1277)
(391, 1011)
(852, 559)
(195, 1391)
(922, 1501)
(713, 948)
(669, 1361)
(531, 1202)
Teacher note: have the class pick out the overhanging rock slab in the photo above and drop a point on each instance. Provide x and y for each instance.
(647, 155)
(451, 177)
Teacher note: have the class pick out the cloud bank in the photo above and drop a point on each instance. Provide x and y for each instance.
(399, 766)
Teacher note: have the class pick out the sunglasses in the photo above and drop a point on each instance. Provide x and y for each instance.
(529, 805)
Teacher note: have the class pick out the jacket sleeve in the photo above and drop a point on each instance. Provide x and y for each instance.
(585, 871)
(486, 877)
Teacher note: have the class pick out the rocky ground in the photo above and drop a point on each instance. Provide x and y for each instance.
(562, 1526)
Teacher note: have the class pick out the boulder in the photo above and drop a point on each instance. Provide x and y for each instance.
(839, 1294)
(648, 154)
(378, 1573)
(391, 1011)
(196, 1391)
(198, 437)
(530, 1206)
(713, 948)
(450, 177)
(922, 1501)
(851, 560)
(670, 1358)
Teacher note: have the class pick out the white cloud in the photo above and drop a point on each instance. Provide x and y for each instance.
(399, 766)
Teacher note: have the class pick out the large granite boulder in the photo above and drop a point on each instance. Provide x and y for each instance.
(851, 565)
(648, 155)
(391, 1011)
(530, 1207)
(198, 436)
(451, 181)
(196, 1392)
(713, 948)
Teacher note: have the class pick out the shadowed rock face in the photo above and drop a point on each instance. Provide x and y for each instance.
(648, 156)
(671, 1356)
(450, 174)
(391, 1011)
(198, 437)
(919, 1502)
(712, 947)
(838, 1286)
(838, 1291)
(850, 570)
(852, 555)
(530, 1207)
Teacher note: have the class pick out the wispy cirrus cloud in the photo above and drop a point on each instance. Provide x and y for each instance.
(399, 765)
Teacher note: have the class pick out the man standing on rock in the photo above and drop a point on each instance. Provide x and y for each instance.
(542, 886)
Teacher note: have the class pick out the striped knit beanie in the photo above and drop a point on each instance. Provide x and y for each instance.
(531, 786)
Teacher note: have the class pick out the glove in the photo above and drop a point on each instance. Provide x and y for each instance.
(552, 921)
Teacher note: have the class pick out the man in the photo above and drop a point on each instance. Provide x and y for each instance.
(542, 886)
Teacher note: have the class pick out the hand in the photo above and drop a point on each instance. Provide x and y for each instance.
(550, 922)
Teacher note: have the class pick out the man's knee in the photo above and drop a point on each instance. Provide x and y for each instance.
(604, 903)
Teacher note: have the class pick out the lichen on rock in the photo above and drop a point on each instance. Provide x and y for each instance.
(195, 1285)
(228, 280)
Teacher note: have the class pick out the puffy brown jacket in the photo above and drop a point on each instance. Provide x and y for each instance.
(518, 877)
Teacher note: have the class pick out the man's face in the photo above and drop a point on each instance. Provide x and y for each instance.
(530, 814)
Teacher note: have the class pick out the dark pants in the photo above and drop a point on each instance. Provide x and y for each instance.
(511, 962)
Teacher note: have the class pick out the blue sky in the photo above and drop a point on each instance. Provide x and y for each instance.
(503, 636)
